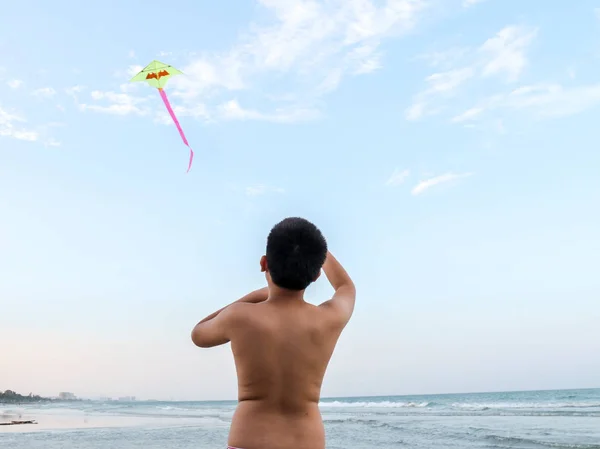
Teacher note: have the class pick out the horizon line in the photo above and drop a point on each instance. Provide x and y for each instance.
(363, 396)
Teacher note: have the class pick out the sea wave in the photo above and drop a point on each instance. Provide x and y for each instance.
(524, 405)
(514, 441)
(374, 404)
(169, 407)
(465, 406)
(371, 423)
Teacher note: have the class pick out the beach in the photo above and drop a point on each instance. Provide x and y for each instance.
(521, 420)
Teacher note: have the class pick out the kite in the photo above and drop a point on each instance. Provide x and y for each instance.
(156, 74)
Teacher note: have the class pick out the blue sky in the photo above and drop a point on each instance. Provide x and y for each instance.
(447, 149)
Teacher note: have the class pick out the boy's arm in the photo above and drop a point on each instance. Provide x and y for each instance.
(214, 329)
(342, 302)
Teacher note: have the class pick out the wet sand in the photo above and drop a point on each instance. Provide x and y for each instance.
(73, 420)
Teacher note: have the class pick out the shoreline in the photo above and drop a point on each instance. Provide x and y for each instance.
(581, 404)
(60, 419)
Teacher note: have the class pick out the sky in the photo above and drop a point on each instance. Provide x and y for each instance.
(448, 150)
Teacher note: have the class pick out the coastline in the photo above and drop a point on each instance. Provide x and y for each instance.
(69, 419)
(558, 419)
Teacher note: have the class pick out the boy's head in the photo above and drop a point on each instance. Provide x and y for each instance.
(296, 252)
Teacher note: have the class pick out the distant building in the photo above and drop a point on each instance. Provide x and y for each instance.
(127, 399)
(65, 396)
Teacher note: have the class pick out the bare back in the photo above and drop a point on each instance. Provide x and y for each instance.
(281, 348)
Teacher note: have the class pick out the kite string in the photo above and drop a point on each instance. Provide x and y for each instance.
(165, 100)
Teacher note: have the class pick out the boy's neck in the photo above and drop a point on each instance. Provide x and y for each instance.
(277, 293)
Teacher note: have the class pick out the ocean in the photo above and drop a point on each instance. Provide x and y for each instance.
(520, 420)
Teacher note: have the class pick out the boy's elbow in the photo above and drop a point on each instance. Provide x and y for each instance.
(205, 338)
(197, 338)
(347, 288)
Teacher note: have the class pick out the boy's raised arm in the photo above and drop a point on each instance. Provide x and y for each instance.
(213, 330)
(342, 302)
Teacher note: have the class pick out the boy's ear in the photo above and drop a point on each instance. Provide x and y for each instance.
(263, 264)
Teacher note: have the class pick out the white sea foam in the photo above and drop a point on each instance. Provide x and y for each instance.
(473, 406)
(524, 405)
(381, 404)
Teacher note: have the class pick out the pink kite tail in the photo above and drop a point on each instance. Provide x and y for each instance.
(165, 100)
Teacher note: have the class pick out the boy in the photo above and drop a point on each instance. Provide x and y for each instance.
(281, 344)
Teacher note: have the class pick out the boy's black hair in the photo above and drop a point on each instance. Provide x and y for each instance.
(296, 252)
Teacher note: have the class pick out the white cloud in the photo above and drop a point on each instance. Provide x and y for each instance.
(133, 70)
(450, 80)
(441, 85)
(542, 101)
(13, 125)
(19, 134)
(119, 103)
(431, 182)
(415, 111)
(365, 59)
(307, 48)
(15, 84)
(506, 51)
(44, 92)
(331, 82)
(7, 118)
(197, 111)
(261, 189)
(8, 128)
(129, 87)
(202, 77)
(551, 100)
(369, 65)
(302, 50)
(232, 110)
(446, 58)
(74, 90)
(469, 114)
(52, 142)
(397, 178)
(502, 54)
(129, 72)
(131, 54)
